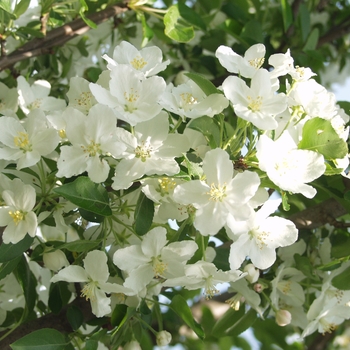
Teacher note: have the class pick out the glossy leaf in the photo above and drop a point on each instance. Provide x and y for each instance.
(208, 128)
(286, 14)
(144, 213)
(191, 16)
(75, 317)
(206, 85)
(87, 195)
(43, 339)
(80, 246)
(11, 251)
(179, 306)
(7, 267)
(21, 7)
(319, 136)
(175, 27)
(342, 281)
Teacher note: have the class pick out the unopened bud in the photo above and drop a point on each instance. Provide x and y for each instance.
(283, 317)
(55, 260)
(163, 338)
(258, 287)
(133, 345)
(252, 273)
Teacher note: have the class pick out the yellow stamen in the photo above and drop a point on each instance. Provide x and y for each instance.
(254, 105)
(17, 216)
(138, 62)
(22, 141)
(257, 62)
(217, 193)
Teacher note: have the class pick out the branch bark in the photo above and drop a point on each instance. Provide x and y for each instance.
(58, 37)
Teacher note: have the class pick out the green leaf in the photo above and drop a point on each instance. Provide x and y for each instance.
(87, 195)
(80, 246)
(304, 21)
(229, 318)
(208, 128)
(144, 213)
(21, 7)
(11, 251)
(43, 339)
(74, 317)
(318, 135)
(28, 283)
(206, 85)
(179, 306)
(242, 324)
(285, 204)
(119, 315)
(312, 40)
(304, 265)
(83, 8)
(287, 14)
(175, 27)
(191, 16)
(342, 281)
(8, 267)
(147, 32)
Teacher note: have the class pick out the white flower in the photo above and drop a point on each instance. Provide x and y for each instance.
(26, 142)
(245, 66)
(17, 213)
(259, 236)
(283, 317)
(150, 151)
(220, 196)
(95, 275)
(287, 166)
(55, 260)
(93, 137)
(259, 103)
(36, 96)
(147, 61)
(133, 100)
(8, 100)
(153, 258)
(133, 345)
(189, 101)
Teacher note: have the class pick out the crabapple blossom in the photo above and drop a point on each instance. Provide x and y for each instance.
(93, 137)
(259, 236)
(95, 276)
(221, 194)
(163, 338)
(189, 101)
(259, 103)
(26, 142)
(147, 61)
(17, 214)
(150, 151)
(245, 66)
(283, 317)
(287, 166)
(153, 258)
(132, 99)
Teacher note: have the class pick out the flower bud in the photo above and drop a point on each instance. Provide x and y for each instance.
(133, 345)
(55, 260)
(253, 273)
(163, 338)
(258, 287)
(283, 317)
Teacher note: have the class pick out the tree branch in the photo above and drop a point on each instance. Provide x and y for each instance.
(335, 32)
(58, 37)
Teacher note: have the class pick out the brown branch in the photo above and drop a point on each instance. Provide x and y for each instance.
(335, 32)
(58, 37)
(321, 341)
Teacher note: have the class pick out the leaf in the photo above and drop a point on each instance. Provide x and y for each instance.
(144, 213)
(191, 16)
(342, 281)
(208, 128)
(83, 8)
(206, 85)
(147, 32)
(28, 283)
(7, 267)
(229, 318)
(21, 7)
(74, 317)
(80, 245)
(87, 195)
(287, 14)
(312, 40)
(304, 21)
(11, 251)
(43, 339)
(119, 315)
(318, 135)
(242, 324)
(285, 204)
(304, 265)
(176, 30)
(179, 306)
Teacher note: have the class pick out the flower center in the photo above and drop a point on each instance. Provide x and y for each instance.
(143, 152)
(210, 289)
(254, 104)
(88, 292)
(188, 99)
(35, 104)
(235, 301)
(285, 286)
(22, 141)
(138, 63)
(217, 193)
(327, 327)
(159, 267)
(85, 99)
(257, 62)
(17, 216)
(260, 237)
(130, 98)
(93, 148)
(165, 186)
(62, 133)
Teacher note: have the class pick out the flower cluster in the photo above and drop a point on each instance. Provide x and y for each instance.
(130, 152)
